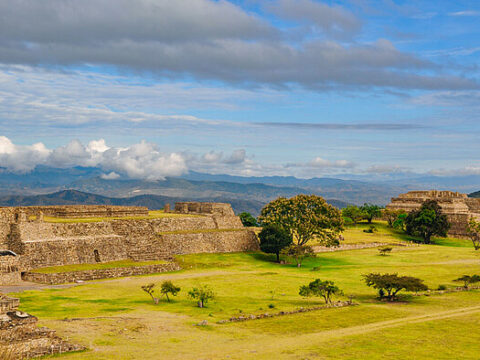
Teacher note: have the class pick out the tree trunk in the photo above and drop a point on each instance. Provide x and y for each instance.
(278, 257)
(200, 304)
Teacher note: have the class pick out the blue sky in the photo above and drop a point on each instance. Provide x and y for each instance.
(149, 89)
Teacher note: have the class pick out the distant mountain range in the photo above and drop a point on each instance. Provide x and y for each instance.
(74, 197)
(245, 193)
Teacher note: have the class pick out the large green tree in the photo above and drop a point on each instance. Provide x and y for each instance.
(274, 239)
(427, 221)
(371, 211)
(305, 217)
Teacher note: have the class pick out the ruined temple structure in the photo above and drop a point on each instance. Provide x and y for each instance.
(20, 337)
(28, 241)
(458, 207)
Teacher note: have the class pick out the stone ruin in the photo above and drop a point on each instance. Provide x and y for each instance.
(21, 338)
(28, 242)
(458, 207)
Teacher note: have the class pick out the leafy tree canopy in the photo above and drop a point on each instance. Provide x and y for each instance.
(274, 239)
(248, 219)
(371, 211)
(354, 213)
(320, 288)
(391, 284)
(305, 217)
(168, 288)
(427, 221)
(391, 215)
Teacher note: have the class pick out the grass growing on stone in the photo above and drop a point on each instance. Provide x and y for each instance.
(200, 231)
(154, 214)
(117, 320)
(96, 266)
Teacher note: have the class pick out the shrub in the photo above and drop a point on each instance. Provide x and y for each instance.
(385, 250)
(202, 294)
(370, 230)
(391, 284)
(442, 287)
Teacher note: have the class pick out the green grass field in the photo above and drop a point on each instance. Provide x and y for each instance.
(115, 319)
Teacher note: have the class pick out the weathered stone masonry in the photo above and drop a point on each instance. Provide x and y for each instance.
(458, 207)
(42, 244)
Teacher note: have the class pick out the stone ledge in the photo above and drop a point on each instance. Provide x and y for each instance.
(97, 274)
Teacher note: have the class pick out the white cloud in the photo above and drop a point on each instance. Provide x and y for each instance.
(110, 176)
(138, 161)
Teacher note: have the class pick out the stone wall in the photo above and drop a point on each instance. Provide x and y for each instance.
(21, 338)
(9, 270)
(43, 244)
(84, 211)
(192, 207)
(211, 242)
(95, 274)
(458, 207)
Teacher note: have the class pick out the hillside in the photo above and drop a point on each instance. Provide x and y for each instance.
(74, 197)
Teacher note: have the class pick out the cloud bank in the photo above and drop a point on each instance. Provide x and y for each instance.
(213, 40)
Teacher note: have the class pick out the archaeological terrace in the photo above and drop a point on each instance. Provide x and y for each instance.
(64, 235)
(458, 207)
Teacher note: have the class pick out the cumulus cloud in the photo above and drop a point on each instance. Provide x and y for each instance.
(214, 40)
(138, 161)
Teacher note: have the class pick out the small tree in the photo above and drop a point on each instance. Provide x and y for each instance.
(305, 217)
(248, 219)
(149, 289)
(202, 294)
(169, 288)
(371, 211)
(467, 280)
(299, 253)
(274, 239)
(428, 221)
(388, 285)
(391, 215)
(473, 230)
(385, 250)
(325, 289)
(354, 213)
